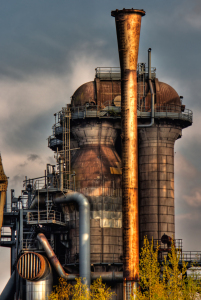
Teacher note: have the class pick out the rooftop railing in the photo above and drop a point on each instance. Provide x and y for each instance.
(108, 73)
(44, 217)
(170, 111)
(114, 73)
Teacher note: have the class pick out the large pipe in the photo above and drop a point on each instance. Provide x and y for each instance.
(53, 259)
(33, 266)
(128, 24)
(35, 201)
(151, 91)
(106, 276)
(84, 231)
(10, 289)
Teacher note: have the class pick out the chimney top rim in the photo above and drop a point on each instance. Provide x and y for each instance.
(116, 12)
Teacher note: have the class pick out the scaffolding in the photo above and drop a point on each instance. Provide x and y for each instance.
(65, 155)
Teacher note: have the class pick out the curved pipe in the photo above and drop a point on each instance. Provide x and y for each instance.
(106, 276)
(84, 231)
(152, 92)
(84, 235)
(53, 259)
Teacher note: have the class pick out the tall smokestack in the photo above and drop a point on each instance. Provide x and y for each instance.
(128, 24)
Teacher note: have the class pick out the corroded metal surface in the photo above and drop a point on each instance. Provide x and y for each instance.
(98, 176)
(97, 92)
(165, 95)
(38, 290)
(128, 24)
(156, 175)
(53, 258)
(98, 169)
(32, 266)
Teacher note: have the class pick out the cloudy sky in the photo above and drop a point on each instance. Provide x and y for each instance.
(49, 48)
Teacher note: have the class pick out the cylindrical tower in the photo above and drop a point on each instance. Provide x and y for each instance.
(156, 173)
(128, 24)
(156, 161)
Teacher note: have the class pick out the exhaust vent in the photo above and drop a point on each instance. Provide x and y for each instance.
(32, 266)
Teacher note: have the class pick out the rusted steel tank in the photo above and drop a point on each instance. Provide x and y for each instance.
(98, 176)
(96, 128)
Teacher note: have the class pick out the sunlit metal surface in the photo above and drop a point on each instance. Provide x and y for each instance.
(53, 258)
(128, 24)
(39, 290)
(33, 266)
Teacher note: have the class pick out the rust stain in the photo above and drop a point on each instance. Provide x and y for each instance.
(128, 24)
(29, 270)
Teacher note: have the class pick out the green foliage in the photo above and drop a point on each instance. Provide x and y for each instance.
(165, 282)
(80, 291)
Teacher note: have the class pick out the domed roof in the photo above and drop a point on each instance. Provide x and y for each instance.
(166, 94)
(84, 94)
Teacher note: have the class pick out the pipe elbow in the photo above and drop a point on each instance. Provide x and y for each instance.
(83, 200)
(75, 197)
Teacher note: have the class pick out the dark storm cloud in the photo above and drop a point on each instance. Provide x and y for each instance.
(33, 157)
(44, 36)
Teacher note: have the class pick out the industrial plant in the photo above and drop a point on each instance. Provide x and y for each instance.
(112, 183)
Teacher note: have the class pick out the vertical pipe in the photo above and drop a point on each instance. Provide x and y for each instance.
(61, 173)
(128, 24)
(151, 91)
(149, 63)
(13, 253)
(21, 230)
(151, 86)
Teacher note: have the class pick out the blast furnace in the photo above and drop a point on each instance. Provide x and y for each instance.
(112, 183)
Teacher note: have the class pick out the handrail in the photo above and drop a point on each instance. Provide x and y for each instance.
(160, 111)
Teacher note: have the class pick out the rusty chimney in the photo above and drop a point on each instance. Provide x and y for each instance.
(128, 24)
